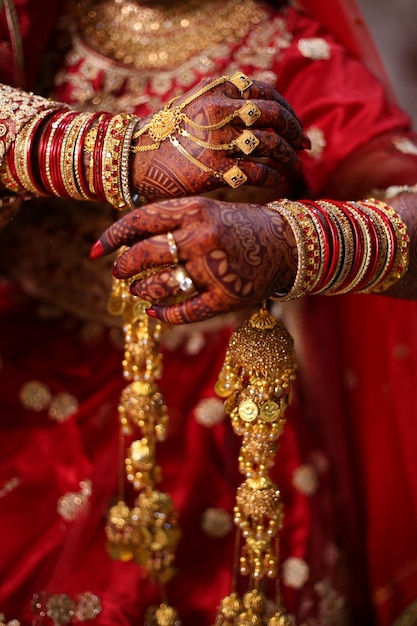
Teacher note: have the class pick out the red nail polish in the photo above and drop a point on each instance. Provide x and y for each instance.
(151, 313)
(96, 251)
(115, 272)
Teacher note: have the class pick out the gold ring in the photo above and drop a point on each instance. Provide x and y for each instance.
(184, 280)
(235, 177)
(241, 81)
(172, 247)
(249, 113)
(247, 142)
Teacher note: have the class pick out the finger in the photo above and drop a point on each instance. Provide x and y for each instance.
(273, 115)
(195, 309)
(142, 256)
(165, 284)
(259, 174)
(258, 90)
(270, 145)
(152, 219)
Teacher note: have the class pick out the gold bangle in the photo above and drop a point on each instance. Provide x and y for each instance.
(308, 247)
(69, 167)
(366, 255)
(131, 200)
(386, 249)
(112, 158)
(347, 243)
(402, 256)
(22, 154)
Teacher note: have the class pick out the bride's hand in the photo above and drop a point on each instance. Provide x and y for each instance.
(214, 136)
(218, 256)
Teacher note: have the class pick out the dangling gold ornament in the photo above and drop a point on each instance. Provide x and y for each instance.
(147, 532)
(255, 380)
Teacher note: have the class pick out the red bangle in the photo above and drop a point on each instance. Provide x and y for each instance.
(375, 246)
(337, 250)
(98, 157)
(359, 247)
(31, 152)
(43, 149)
(79, 166)
(56, 152)
(327, 248)
(392, 247)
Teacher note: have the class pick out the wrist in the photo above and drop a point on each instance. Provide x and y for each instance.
(342, 247)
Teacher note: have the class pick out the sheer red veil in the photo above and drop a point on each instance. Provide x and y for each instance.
(344, 19)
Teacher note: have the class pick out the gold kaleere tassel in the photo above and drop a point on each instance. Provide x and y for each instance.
(255, 380)
(148, 532)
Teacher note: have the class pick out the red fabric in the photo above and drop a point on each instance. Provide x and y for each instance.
(374, 376)
(37, 19)
(367, 429)
(45, 552)
(343, 18)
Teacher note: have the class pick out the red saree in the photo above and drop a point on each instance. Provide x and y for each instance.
(350, 429)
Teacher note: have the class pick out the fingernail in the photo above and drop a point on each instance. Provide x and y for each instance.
(96, 251)
(115, 272)
(306, 142)
(151, 313)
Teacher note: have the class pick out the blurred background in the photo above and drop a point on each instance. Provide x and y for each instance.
(393, 24)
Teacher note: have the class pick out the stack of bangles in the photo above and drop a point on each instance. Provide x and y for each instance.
(342, 247)
(57, 142)
(48, 156)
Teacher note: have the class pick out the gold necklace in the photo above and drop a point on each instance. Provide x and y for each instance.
(150, 37)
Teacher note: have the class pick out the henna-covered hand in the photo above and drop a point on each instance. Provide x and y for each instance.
(235, 254)
(166, 170)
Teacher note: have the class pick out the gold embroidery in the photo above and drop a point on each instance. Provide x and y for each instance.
(305, 480)
(295, 572)
(63, 405)
(318, 142)
(125, 88)
(216, 523)
(405, 145)
(314, 48)
(62, 609)
(152, 37)
(72, 504)
(17, 108)
(35, 396)
(209, 412)
(8, 486)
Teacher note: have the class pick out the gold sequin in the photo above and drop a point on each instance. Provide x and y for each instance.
(295, 572)
(318, 142)
(405, 145)
(8, 486)
(88, 607)
(35, 396)
(209, 412)
(71, 504)
(314, 48)
(305, 480)
(216, 523)
(63, 405)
